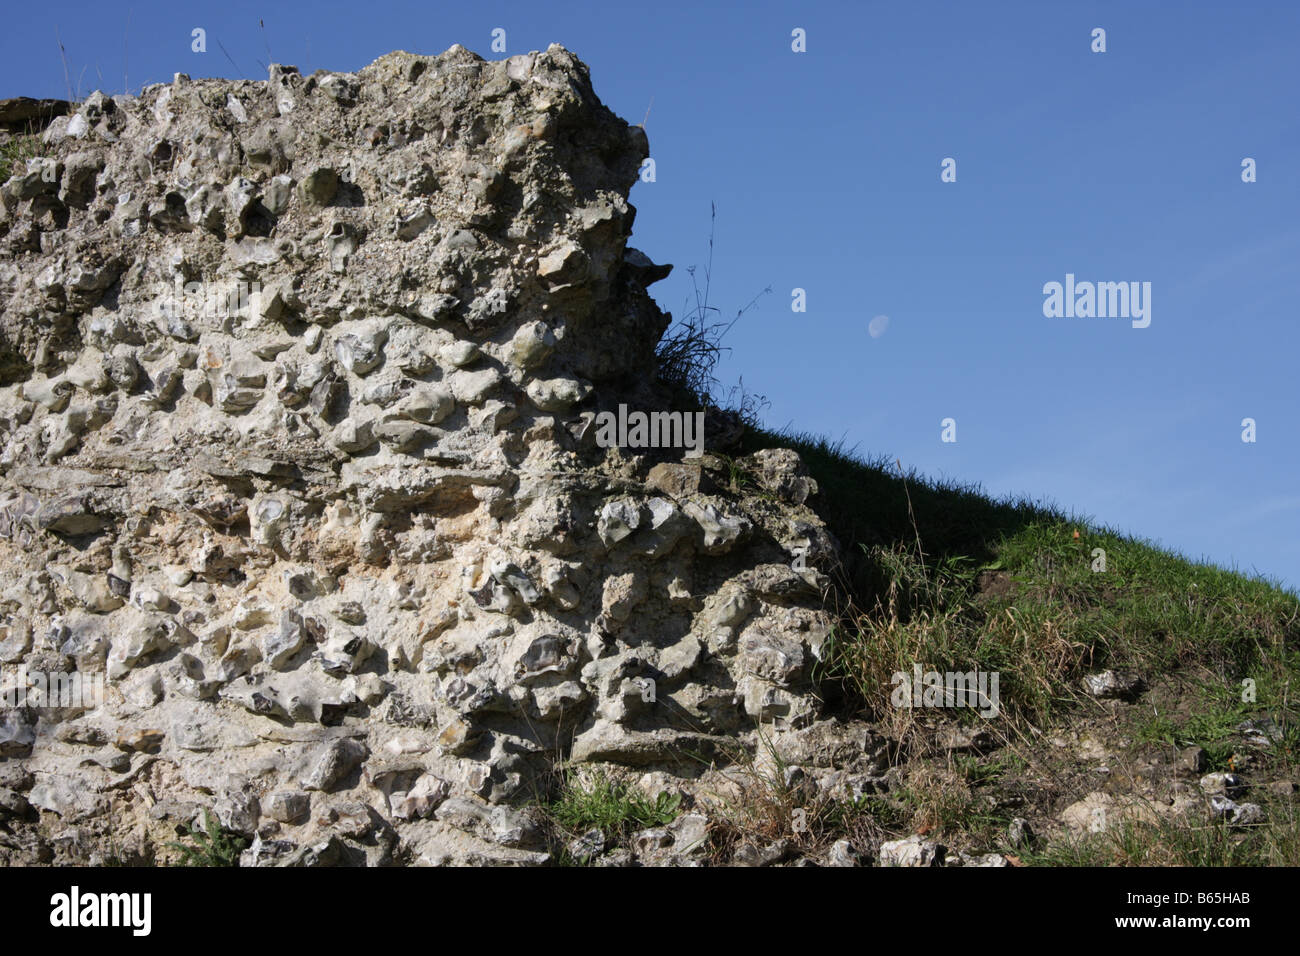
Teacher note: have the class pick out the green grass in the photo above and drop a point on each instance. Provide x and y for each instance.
(610, 806)
(915, 550)
(869, 502)
(980, 771)
(1213, 727)
(943, 575)
(212, 846)
(1131, 843)
(15, 152)
(890, 816)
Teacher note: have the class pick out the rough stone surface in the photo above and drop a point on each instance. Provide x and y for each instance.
(1114, 685)
(912, 851)
(296, 380)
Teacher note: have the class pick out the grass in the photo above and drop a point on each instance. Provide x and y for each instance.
(15, 152)
(941, 574)
(872, 502)
(772, 806)
(921, 556)
(1134, 843)
(1214, 729)
(602, 803)
(212, 846)
(689, 351)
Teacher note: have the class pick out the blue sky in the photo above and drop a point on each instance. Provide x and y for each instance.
(825, 168)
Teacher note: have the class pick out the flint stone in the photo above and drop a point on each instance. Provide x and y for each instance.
(332, 763)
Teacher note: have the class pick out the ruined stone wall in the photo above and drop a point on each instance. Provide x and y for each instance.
(298, 384)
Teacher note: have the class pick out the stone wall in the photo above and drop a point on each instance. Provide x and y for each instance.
(298, 384)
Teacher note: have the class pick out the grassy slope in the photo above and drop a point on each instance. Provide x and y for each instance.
(1010, 586)
(1042, 613)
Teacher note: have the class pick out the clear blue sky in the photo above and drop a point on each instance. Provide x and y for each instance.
(825, 167)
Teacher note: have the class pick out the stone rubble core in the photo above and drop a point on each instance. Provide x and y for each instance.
(345, 548)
